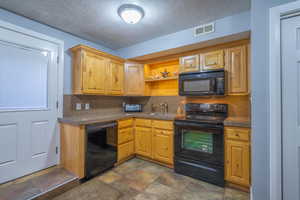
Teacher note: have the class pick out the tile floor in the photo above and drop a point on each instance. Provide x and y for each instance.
(141, 180)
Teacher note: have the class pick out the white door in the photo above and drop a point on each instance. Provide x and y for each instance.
(291, 107)
(28, 96)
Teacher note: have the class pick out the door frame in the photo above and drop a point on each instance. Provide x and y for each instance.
(275, 105)
(60, 67)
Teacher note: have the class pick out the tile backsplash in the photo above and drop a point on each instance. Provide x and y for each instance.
(239, 106)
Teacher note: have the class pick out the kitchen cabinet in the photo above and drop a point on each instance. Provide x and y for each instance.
(125, 151)
(213, 60)
(125, 139)
(189, 64)
(143, 143)
(154, 140)
(96, 72)
(72, 152)
(163, 145)
(115, 78)
(237, 70)
(134, 79)
(237, 156)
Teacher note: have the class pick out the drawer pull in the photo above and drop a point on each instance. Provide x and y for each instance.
(237, 135)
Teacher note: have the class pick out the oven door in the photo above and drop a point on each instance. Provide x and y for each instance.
(199, 142)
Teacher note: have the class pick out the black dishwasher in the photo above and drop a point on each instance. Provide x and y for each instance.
(101, 148)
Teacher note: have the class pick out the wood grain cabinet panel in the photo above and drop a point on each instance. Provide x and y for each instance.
(125, 150)
(212, 60)
(125, 123)
(93, 70)
(237, 161)
(134, 79)
(125, 135)
(96, 72)
(143, 122)
(143, 141)
(163, 146)
(115, 78)
(189, 64)
(237, 156)
(237, 69)
(73, 145)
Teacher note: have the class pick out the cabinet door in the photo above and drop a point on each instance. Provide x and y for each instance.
(134, 79)
(94, 72)
(163, 146)
(125, 135)
(189, 63)
(237, 155)
(212, 60)
(237, 71)
(125, 150)
(143, 140)
(115, 78)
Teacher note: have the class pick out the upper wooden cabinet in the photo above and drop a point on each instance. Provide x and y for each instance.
(212, 60)
(115, 78)
(189, 64)
(237, 71)
(96, 72)
(134, 79)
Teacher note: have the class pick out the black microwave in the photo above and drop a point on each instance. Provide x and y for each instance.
(202, 83)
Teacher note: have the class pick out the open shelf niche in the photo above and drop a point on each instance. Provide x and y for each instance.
(155, 84)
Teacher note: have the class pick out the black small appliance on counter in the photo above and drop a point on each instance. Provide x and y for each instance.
(199, 142)
(132, 107)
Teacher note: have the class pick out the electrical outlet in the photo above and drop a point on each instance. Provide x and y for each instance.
(87, 106)
(78, 106)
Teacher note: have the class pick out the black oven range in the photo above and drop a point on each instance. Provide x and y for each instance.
(199, 142)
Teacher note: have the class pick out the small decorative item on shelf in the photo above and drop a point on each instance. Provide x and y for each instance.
(165, 74)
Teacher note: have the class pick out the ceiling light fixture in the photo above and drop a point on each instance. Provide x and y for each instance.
(130, 13)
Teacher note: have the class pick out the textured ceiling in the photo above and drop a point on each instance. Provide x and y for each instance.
(98, 21)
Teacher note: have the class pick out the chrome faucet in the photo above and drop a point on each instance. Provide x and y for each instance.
(164, 108)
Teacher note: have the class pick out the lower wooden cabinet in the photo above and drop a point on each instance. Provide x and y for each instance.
(143, 142)
(154, 140)
(163, 145)
(125, 150)
(237, 156)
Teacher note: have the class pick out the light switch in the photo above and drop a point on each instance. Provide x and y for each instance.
(78, 106)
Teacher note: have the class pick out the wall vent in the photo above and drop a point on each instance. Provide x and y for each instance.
(204, 29)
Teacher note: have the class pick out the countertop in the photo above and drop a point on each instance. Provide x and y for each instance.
(238, 122)
(97, 118)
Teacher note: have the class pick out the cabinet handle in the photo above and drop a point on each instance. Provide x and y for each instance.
(237, 135)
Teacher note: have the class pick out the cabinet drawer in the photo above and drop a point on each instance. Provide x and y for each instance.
(125, 135)
(143, 122)
(125, 123)
(162, 131)
(125, 150)
(163, 124)
(242, 134)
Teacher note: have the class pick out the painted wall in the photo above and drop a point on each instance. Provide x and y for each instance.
(260, 96)
(68, 39)
(224, 27)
